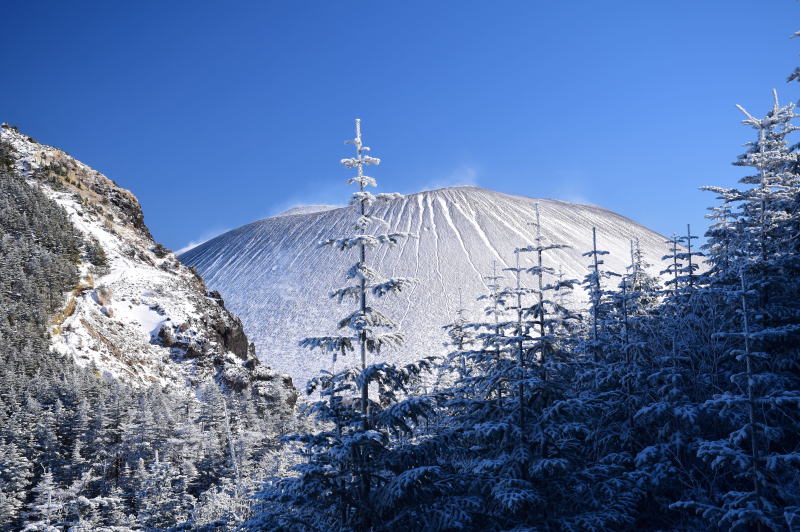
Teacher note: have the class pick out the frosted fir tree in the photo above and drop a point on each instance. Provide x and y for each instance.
(484, 391)
(674, 265)
(683, 262)
(691, 259)
(47, 506)
(162, 497)
(635, 302)
(635, 299)
(536, 321)
(670, 351)
(598, 303)
(15, 474)
(512, 460)
(346, 481)
(522, 330)
(722, 235)
(461, 338)
(754, 448)
(584, 469)
(642, 395)
(753, 221)
(550, 313)
(493, 348)
(479, 402)
(617, 385)
(557, 429)
(370, 328)
(645, 286)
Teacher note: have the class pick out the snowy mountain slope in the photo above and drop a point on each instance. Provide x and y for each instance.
(276, 279)
(306, 209)
(137, 314)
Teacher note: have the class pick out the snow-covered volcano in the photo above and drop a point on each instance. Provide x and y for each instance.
(275, 277)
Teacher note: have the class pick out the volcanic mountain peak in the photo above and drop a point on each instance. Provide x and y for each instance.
(305, 209)
(276, 278)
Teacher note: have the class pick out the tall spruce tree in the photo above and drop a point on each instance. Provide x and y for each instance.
(754, 447)
(461, 338)
(347, 481)
(512, 445)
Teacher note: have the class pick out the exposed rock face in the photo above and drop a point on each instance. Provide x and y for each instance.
(137, 314)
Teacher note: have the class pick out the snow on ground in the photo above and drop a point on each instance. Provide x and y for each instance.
(275, 277)
(306, 209)
(113, 318)
(117, 319)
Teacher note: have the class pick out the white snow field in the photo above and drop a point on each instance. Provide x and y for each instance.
(274, 276)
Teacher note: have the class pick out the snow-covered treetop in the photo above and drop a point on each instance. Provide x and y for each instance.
(365, 322)
(361, 158)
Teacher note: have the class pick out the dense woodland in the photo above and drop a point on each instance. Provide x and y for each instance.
(79, 451)
(667, 406)
(667, 403)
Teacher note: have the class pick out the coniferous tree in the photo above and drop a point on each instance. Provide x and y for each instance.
(511, 442)
(461, 339)
(70, 440)
(346, 481)
(753, 447)
(47, 506)
(15, 473)
(674, 265)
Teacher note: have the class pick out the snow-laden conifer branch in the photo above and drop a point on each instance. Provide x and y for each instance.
(353, 162)
(362, 270)
(377, 341)
(367, 241)
(562, 284)
(363, 181)
(537, 270)
(360, 320)
(365, 220)
(362, 198)
(394, 285)
(397, 284)
(335, 344)
(544, 247)
(392, 376)
(347, 292)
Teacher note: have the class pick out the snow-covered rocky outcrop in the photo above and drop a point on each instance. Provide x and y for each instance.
(138, 314)
(276, 278)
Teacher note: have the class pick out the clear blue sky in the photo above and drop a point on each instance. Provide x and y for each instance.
(216, 114)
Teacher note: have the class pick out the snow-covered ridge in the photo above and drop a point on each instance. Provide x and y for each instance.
(138, 314)
(305, 209)
(275, 277)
